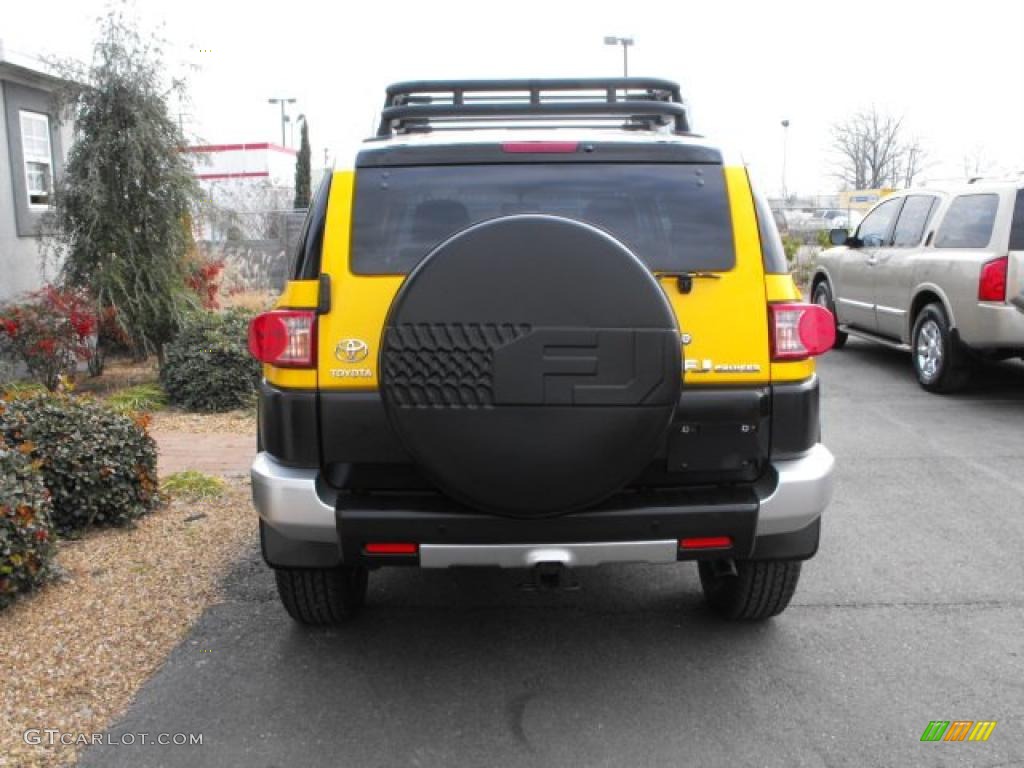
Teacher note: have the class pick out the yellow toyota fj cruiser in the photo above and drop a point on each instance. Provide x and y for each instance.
(539, 324)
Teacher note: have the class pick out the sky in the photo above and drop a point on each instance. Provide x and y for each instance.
(955, 77)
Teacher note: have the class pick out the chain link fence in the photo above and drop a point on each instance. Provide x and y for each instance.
(256, 247)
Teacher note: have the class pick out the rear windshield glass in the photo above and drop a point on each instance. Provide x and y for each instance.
(673, 217)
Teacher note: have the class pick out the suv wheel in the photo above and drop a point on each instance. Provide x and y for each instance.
(939, 359)
(322, 596)
(755, 590)
(822, 296)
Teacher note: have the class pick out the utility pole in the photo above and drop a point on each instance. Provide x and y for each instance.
(284, 117)
(625, 42)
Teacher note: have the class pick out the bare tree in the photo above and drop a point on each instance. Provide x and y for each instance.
(976, 163)
(872, 151)
(915, 161)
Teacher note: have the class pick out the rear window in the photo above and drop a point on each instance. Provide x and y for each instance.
(673, 217)
(968, 222)
(1017, 227)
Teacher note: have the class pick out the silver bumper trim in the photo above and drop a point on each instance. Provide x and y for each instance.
(296, 505)
(804, 490)
(529, 555)
(290, 501)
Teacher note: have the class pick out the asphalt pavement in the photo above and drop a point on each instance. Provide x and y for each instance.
(912, 611)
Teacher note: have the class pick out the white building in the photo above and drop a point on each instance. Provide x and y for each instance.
(33, 148)
(243, 184)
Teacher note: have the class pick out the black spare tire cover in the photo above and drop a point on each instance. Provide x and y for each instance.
(530, 365)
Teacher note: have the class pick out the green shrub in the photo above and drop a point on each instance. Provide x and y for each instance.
(138, 399)
(208, 366)
(193, 485)
(98, 465)
(26, 529)
(790, 245)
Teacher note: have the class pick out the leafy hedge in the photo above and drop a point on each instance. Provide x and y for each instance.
(26, 529)
(98, 465)
(208, 366)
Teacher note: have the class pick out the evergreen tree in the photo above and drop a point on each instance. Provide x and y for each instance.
(121, 217)
(303, 180)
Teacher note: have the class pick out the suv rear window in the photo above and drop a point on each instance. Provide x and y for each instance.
(968, 222)
(1017, 227)
(674, 217)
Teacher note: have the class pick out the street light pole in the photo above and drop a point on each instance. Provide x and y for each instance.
(284, 117)
(625, 42)
(785, 152)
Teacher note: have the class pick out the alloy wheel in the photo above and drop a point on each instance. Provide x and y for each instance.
(929, 349)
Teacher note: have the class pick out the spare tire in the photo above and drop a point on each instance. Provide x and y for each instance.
(531, 365)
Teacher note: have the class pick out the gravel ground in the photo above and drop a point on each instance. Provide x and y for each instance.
(73, 654)
(237, 422)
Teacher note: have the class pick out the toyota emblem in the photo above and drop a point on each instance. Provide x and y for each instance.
(351, 350)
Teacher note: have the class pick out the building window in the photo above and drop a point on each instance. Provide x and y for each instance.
(35, 146)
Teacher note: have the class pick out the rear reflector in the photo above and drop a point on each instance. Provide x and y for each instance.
(284, 337)
(540, 147)
(801, 330)
(391, 548)
(706, 542)
(992, 282)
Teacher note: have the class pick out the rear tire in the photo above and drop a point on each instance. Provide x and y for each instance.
(822, 296)
(758, 590)
(940, 361)
(322, 597)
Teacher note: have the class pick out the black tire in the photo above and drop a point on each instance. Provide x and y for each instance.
(758, 590)
(822, 295)
(940, 361)
(321, 597)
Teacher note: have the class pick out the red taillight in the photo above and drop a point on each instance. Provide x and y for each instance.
(992, 283)
(284, 337)
(540, 147)
(706, 542)
(391, 548)
(801, 330)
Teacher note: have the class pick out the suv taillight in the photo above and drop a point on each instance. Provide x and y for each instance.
(992, 282)
(284, 337)
(800, 331)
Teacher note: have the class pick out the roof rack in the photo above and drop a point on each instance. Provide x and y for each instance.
(631, 102)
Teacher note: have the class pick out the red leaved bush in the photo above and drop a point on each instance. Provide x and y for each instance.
(50, 332)
(204, 280)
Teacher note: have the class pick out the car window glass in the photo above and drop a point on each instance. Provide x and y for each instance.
(968, 222)
(875, 227)
(771, 244)
(913, 219)
(1017, 227)
(674, 217)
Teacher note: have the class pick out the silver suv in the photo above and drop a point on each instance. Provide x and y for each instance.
(933, 272)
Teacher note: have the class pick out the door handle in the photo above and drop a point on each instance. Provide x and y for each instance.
(872, 261)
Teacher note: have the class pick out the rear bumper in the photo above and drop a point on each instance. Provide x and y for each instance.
(305, 524)
(991, 326)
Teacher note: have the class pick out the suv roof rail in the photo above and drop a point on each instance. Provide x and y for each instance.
(631, 102)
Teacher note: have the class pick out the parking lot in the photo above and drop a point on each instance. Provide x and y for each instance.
(911, 612)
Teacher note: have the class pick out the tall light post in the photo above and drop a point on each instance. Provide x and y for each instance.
(284, 117)
(625, 42)
(785, 152)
